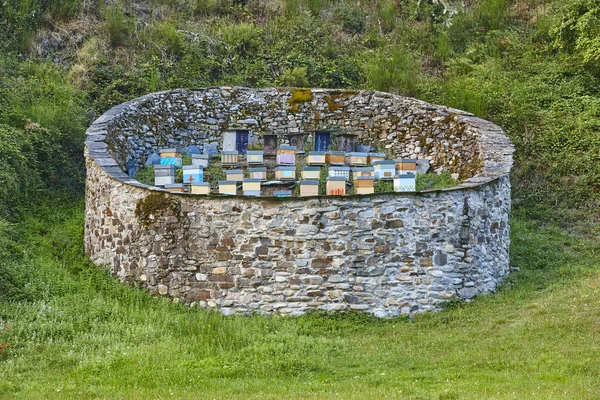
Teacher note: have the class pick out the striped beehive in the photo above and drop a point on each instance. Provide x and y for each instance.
(164, 174)
(229, 158)
(170, 157)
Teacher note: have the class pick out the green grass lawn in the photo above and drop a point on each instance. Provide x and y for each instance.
(78, 333)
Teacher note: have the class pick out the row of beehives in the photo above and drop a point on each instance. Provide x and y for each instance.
(403, 173)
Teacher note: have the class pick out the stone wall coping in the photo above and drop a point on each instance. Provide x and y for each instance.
(495, 147)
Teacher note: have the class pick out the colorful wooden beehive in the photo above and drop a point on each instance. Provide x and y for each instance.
(192, 174)
(385, 169)
(358, 159)
(236, 175)
(282, 193)
(316, 158)
(285, 173)
(255, 157)
(309, 173)
(200, 188)
(286, 154)
(170, 157)
(228, 187)
(363, 171)
(164, 174)
(406, 166)
(405, 183)
(229, 139)
(375, 157)
(336, 157)
(336, 186)
(251, 187)
(175, 187)
(229, 158)
(339, 172)
(364, 185)
(322, 139)
(258, 173)
(309, 188)
(200, 160)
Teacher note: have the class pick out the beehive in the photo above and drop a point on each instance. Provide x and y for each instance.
(282, 193)
(285, 173)
(228, 187)
(258, 173)
(375, 157)
(175, 187)
(229, 158)
(358, 159)
(339, 172)
(251, 187)
(364, 185)
(286, 154)
(385, 169)
(170, 157)
(336, 157)
(405, 183)
(406, 166)
(200, 188)
(309, 173)
(363, 171)
(316, 158)
(164, 174)
(236, 175)
(192, 174)
(309, 188)
(255, 157)
(200, 160)
(336, 186)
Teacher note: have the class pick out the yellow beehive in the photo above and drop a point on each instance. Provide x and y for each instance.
(251, 187)
(201, 188)
(228, 187)
(311, 173)
(236, 175)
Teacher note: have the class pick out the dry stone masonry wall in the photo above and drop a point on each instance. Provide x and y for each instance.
(386, 254)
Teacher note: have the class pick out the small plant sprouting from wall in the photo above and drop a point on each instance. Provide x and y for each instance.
(435, 181)
(145, 175)
(384, 186)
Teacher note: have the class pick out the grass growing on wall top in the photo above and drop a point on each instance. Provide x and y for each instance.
(79, 333)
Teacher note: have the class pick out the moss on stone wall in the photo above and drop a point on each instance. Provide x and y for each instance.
(299, 96)
(156, 205)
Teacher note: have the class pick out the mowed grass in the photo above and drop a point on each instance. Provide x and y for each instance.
(78, 333)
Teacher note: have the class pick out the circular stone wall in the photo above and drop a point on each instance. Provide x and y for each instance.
(387, 254)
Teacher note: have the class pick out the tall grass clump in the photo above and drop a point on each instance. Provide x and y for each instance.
(392, 70)
(118, 27)
(492, 14)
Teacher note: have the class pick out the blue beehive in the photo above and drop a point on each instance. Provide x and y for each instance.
(282, 193)
(192, 173)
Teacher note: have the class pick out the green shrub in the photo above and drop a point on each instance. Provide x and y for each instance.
(117, 26)
(352, 19)
(295, 77)
(392, 70)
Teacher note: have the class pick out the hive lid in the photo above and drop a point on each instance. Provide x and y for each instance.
(282, 192)
(257, 169)
(170, 151)
(307, 168)
(405, 176)
(377, 155)
(384, 162)
(255, 152)
(201, 184)
(285, 168)
(227, 182)
(336, 153)
(251, 180)
(309, 182)
(317, 153)
(230, 152)
(364, 178)
(202, 156)
(339, 168)
(357, 154)
(287, 147)
(163, 166)
(360, 169)
(406, 160)
(174, 186)
(192, 168)
(234, 171)
(336, 178)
